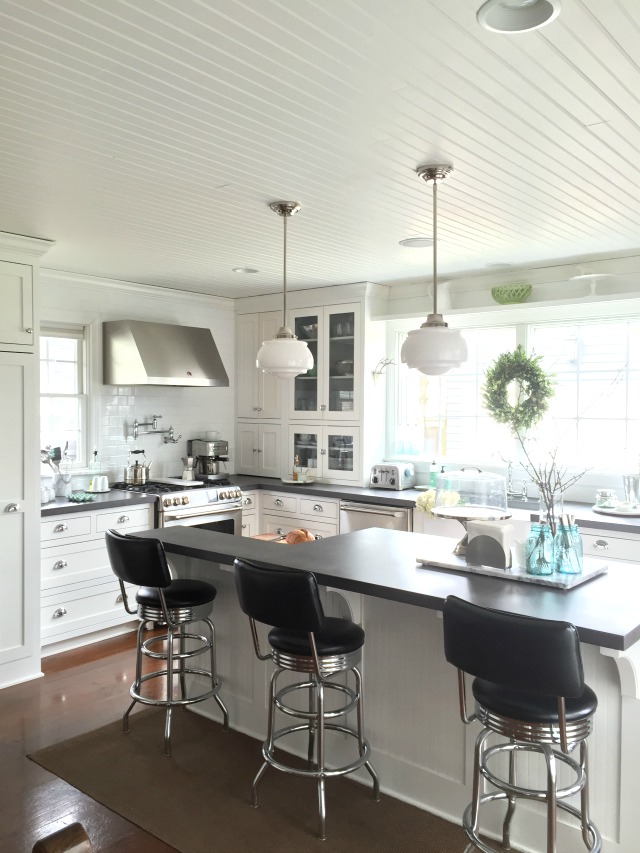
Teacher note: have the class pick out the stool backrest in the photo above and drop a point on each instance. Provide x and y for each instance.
(283, 598)
(539, 655)
(138, 561)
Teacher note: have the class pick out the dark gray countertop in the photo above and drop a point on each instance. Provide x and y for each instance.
(407, 498)
(382, 563)
(109, 500)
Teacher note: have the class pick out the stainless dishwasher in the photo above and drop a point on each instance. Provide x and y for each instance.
(355, 515)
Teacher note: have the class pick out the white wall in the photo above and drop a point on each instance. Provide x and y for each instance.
(72, 299)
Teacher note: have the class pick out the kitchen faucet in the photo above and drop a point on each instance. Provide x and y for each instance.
(523, 494)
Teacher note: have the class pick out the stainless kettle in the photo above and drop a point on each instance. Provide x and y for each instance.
(137, 474)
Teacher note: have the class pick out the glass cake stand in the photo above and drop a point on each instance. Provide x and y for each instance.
(463, 514)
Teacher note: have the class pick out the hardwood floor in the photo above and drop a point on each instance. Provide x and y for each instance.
(80, 691)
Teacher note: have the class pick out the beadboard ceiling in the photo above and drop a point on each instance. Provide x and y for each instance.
(147, 137)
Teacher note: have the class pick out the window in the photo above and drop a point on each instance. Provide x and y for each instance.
(63, 400)
(593, 418)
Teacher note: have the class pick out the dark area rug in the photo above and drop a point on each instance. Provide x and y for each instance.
(198, 799)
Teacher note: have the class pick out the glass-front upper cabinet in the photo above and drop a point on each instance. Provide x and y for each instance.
(329, 452)
(331, 390)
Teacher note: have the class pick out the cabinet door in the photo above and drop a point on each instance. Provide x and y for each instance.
(331, 452)
(18, 508)
(247, 448)
(16, 296)
(331, 390)
(269, 456)
(259, 394)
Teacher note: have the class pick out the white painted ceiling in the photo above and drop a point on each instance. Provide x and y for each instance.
(147, 137)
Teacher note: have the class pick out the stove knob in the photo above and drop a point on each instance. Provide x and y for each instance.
(185, 499)
(237, 493)
(224, 495)
(176, 501)
(166, 502)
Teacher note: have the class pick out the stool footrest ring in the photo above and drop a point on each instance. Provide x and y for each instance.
(205, 645)
(173, 702)
(267, 753)
(352, 695)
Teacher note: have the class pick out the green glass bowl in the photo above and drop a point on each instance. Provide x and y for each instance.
(511, 294)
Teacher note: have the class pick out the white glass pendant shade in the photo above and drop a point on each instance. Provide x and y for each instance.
(434, 349)
(284, 357)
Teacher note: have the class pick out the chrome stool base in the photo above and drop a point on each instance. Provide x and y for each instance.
(316, 725)
(176, 666)
(509, 791)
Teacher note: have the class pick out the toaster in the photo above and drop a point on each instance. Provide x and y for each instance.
(393, 476)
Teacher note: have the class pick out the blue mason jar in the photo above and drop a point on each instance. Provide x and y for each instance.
(540, 550)
(568, 550)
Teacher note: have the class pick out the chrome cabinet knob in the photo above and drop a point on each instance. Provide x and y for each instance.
(60, 528)
(59, 613)
(123, 519)
(61, 564)
(12, 508)
(318, 508)
(278, 502)
(323, 407)
(29, 330)
(323, 451)
(119, 599)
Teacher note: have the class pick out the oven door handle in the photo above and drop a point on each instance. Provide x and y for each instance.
(372, 509)
(202, 515)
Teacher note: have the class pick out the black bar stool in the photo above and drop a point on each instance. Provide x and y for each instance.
(170, 603)
(304, 640)
(528, 687)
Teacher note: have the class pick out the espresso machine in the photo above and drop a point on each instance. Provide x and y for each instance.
(211, 456)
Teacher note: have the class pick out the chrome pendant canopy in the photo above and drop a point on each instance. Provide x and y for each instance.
(284, 356)
(434, 348)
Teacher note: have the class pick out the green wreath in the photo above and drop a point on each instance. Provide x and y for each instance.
(535, 388)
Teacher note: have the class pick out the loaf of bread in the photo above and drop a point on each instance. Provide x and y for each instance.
(293, 537)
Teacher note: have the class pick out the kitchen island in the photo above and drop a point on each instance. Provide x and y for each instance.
(421, 749)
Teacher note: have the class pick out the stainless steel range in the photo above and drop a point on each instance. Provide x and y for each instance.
(194, 504)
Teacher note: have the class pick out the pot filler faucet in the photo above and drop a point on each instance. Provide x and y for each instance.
(169, 438)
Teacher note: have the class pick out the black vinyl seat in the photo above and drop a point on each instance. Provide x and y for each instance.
(304, 640)
(528, 688)
(172, 603)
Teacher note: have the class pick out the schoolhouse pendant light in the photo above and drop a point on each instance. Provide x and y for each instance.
(434, 348)
(284, 356)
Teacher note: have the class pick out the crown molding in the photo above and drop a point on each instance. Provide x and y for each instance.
(83, 282)
(20, 244)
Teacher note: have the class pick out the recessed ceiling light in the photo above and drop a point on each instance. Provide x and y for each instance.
(517, 16)
(244, 270)
(416, 242)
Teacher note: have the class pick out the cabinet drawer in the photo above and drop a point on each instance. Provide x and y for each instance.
(82, 610)
(65, 527)
(319, 508)
(273, 524)
(279, 503)
(73, 563)
(610, 547)
(124, 517)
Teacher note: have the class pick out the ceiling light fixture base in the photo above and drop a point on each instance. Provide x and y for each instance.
(285, 208)
(517, 16)
(434, 173)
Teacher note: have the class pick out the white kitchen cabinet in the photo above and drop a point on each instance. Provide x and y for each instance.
(18, 517)
(250, 518)
(259, 448)
(332, 389)
(17, 320)
(80, 593)
(610, 545)
(259, 395)
(281, 512)
(330, 452)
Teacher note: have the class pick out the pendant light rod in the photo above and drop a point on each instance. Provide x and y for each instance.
(284, 209)
(435, 174)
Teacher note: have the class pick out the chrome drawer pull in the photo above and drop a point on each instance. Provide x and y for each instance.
(61, 564)
(247, 501)
(244, 526)
(317, 536)
(119, 599)
(278, 502)
(61, 611)
(60, 528)
(601, 544)
(318, 508)
(123, 519)
(280, 532)
(12, 508)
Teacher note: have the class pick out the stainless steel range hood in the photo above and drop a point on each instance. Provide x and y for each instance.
(137, 353)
